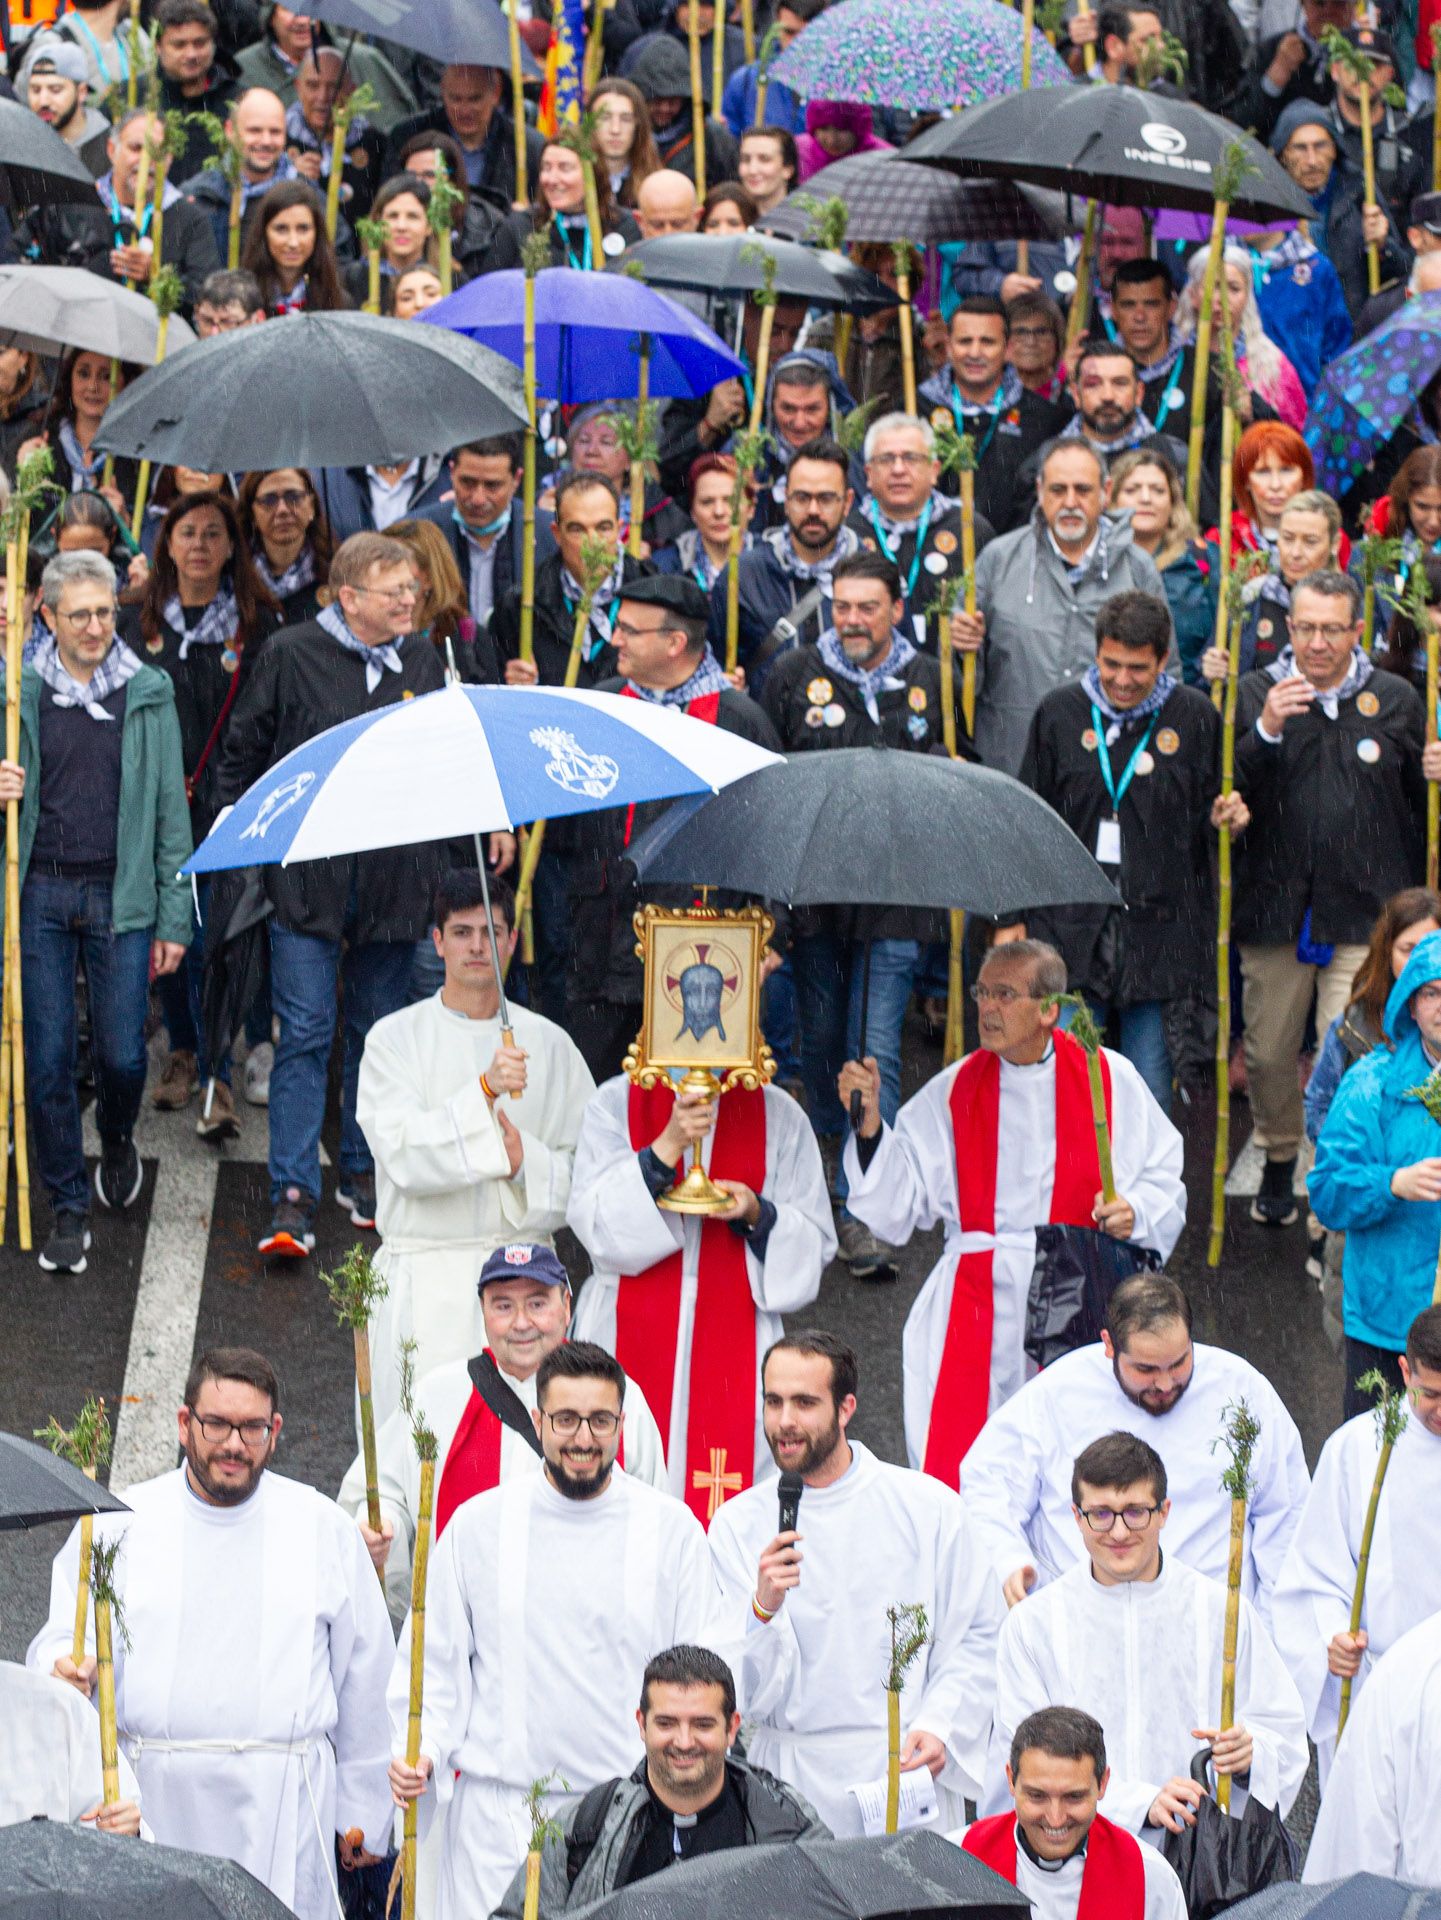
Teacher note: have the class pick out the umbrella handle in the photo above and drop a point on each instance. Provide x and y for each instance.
(857, 1106)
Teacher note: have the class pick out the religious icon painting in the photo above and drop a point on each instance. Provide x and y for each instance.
(701, 1006)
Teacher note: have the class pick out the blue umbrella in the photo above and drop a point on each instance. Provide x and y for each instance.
(469, 760)
(587, 330)
(1364, 396)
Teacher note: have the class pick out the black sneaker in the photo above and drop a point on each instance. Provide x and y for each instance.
(356, 1193)
(119, 1176)
(291, 1235)
(69, 1242)
(1275, 1205)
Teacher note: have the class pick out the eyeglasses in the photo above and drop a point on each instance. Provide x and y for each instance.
(1032, 333)
(217, 1430)
(1102, 1519)
(86, 617)
(1003, 996)
(827, 501)
(567, 1422)
(288, 497)
(628, 632)
(393, 595)
(898, 460)
(1308, 630)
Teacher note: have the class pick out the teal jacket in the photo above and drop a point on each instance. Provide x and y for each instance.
(154, 840)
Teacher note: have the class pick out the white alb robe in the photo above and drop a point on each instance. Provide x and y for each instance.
(1144, 1658)
(811, 1682)
(50, 1750)
(1381, 1810)
(444, 1196)
(1055, 1894)
(910, 1184)
(542, 1612)
(1016, 1479)
(251, 1700)
(625, 1232)
(441, 1398)
(1312, 1600)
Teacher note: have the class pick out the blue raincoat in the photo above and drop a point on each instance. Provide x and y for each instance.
(1372, 1129)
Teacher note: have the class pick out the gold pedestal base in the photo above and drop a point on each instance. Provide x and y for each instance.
(697, 1193)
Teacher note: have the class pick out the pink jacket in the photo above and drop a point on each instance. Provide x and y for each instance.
(835, 113)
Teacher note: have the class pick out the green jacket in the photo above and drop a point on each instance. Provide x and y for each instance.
(260, 66)
(154, 840)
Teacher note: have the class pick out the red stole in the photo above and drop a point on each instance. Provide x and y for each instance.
(706, 708)
(1113, 1880)
(472, 1464)
(963, 1381)
(720, 1443)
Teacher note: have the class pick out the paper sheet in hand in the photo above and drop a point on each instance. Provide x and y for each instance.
(917, 1801)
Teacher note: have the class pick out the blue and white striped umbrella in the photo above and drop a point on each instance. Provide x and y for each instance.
(470, 760)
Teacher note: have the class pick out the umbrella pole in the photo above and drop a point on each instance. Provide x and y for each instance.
(1081, 299)
(507, 1033)
(517, 111)
(697, 100)
(1433, 792)
(1390, 1423)
(1368, 169)
(861, 1039)
(1203, 361)
(637, 465)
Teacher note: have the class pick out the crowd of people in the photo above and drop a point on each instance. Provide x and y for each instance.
(610, 1597)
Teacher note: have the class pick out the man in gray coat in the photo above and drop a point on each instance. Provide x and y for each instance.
(687, 1798)
(1038, 591)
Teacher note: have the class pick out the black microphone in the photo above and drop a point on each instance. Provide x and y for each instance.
(791, 1489)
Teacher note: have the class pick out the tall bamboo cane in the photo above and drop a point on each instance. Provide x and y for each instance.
(1240, 1437)
(445, 200)
(542, 1830)
(164, 152)
(747, 450)
(371, 235)
(132, 78)
(940, 611)
(770, 49)
(360, 99)
(903, 255)
(1380, 557)
(718, 60)
(1361, 68)
(426, 1449)
(1391, 1419)
(594, 52)
(637, 441)
(85, 1445)
(534, 256)
(1083, 1029)
(910, 1630)
(356, 1290)
(595, 563)
(1226, 183)
(1088, 52)
(109, 1622)
(228, 158)
(167, 290)
(581, 142)
(697, 98)
(1085, 266)
(517, 108)
(1230, 400)
(748, 28)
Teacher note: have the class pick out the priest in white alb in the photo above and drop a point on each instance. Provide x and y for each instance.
(809, 1603)
(481, 1413)
(472, 1136)
(1312, 1603)
(1134, 1637)
(1052, 1842)
(1148, 1377)
(250, 1698)
(50, 1757)
(688, 1304)
(1381, 1807)
(992, 1148)
(547, 1597)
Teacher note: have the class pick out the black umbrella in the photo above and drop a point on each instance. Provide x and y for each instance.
(733, 264)
(870, 827)
(1361, 1896)
(237, 946)
(37, 167)
(36, 1487)
(50, 1871)
(1221, 1859)
(1118, 145)
(887, 199)
(324, 390)
(471, 33)
(884, 1878)
(1077, 1270)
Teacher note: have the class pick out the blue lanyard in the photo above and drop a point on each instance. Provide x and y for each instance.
(997, 410)
(601, 641)
(891, 553)
(119, 214)
(1103, 755)
(583, 263)
(120, 53)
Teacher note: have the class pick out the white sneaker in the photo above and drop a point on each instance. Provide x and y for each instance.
(257, 1074)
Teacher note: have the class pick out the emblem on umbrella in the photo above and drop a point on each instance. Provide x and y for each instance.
(571, 767)
(280, 800)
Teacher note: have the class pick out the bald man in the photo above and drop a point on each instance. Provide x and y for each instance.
(257, 123)
(665, 203)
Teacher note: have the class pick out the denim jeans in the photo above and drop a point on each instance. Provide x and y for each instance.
(778, 1020)
(303, 975)
(829, 975)
(60, 919)
(1143, 1042)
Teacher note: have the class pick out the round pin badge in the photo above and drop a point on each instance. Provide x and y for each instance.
(916, 699)
(1065, 281)
(229, 660)
(1088, 740)
(1264, 629)
(835, 714)
(940, 416)
(1369, 751)
(814, 717)
(1168, 740)
(1367, 703)
(1145, 763)
(945, 541)
(935, 563)
(819, 691)
(157, 645)
(613, 244)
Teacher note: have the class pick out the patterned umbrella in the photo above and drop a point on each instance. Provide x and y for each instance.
(928, 55)
(887, 198)
(1366, 394)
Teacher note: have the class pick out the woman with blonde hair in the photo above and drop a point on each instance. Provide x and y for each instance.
(441, 612)
(1259, 361)
(1148, 487)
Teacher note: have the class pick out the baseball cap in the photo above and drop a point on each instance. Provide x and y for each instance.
(523, 1261)
(1426, 212)
(55, 53)
(1374, 41)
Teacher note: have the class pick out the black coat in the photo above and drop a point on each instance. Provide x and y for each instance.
(1001, 494)
(85, 237)
(1330, 830)
(554, 627)
(1161, 948)
(802, 699)
(497, 176)
(303, 682)
(513, 232)
(222, 84)
(601, 886)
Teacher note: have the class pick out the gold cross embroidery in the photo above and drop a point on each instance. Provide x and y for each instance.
(717, 1480)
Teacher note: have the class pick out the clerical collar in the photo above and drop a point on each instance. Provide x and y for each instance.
(1030, 1066)
(1049, 1866)
(667, 1816)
